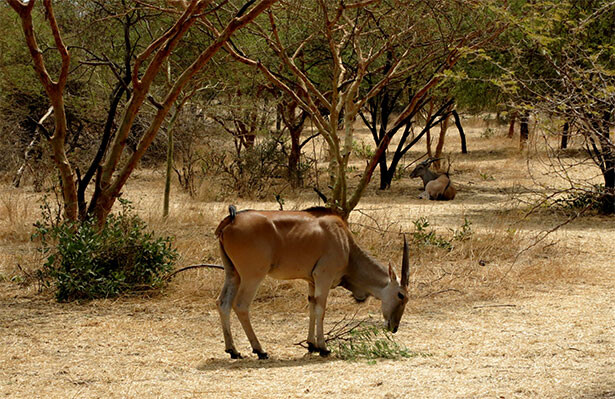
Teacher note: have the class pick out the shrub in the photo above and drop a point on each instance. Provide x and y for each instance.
(487, 133)
(86, 262)
(362, 150)
(594, 199)
(254, 171)
(425, 237)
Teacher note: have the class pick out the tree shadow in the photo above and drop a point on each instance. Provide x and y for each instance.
(253, 363)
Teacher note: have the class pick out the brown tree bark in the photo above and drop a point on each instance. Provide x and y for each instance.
(441, 137)
(55, 93)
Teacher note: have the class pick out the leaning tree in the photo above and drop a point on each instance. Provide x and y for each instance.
(113, 164)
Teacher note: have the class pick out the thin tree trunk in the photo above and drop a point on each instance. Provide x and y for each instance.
(170, 150)
(462, 135)
(441, 137)
(524, 129)
(428, 132)
(294, 175)
(609, 186)
(511, 126)
(385, 181)
(609, 165)
(287, 113)
(565, 135)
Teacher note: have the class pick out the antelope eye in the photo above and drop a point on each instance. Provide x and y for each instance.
(401, 296)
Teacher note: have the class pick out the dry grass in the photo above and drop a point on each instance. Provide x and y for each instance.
(500, 314)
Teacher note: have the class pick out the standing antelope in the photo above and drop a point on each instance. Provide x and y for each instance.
(314, 245)
(436, 186)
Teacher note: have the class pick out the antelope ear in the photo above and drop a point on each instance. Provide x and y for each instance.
(392, 274)
(405, 266)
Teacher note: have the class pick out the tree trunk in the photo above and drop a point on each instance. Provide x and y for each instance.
(511, 126)
(287, 113)
(462, 135)
(294, 175)
(608, 150)
(428, 131)
(385, 180)
(167, 180)
(565, 135)
(524, 129)
(170, 150)
(441, 137)
(608, 205)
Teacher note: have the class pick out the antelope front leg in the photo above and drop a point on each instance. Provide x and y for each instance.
(320, 295)
(311, 339)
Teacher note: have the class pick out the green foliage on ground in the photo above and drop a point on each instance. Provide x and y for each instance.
(424, 236)
(369, 342)
(83, 261)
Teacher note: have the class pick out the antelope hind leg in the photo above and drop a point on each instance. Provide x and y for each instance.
(224, 302)
(311, 339)
(244, 297)
(322, 285)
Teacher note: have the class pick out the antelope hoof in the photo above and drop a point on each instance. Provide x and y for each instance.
(234, 354)
(324, 352)
(312, 348)
(261, 355)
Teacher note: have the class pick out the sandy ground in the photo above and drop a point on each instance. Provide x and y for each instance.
(551, 341)
(547, 340)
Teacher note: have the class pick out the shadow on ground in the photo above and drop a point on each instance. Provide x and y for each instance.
(228, 364)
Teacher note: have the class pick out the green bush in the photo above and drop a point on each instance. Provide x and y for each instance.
(422, 236)
(425, 237)
(86, 262)
(593, 199)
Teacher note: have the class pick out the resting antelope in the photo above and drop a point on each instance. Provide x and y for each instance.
(314, 245)
(435, 186)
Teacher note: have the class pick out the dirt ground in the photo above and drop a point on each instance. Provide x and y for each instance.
(546, 339)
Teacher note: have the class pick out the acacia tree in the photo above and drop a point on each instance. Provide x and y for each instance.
(573, 42)
(342, 43)
(437, 31)
(112, 173)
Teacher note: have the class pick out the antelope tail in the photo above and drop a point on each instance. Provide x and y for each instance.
(232, 213)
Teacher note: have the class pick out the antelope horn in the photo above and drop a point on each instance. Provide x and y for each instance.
(405, 266)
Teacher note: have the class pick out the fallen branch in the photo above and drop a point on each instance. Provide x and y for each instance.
(494, 306)
(443, 292)
(204, 265)
(341, 330)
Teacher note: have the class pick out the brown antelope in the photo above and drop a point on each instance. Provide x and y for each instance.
(314, 245)
(436, 186)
